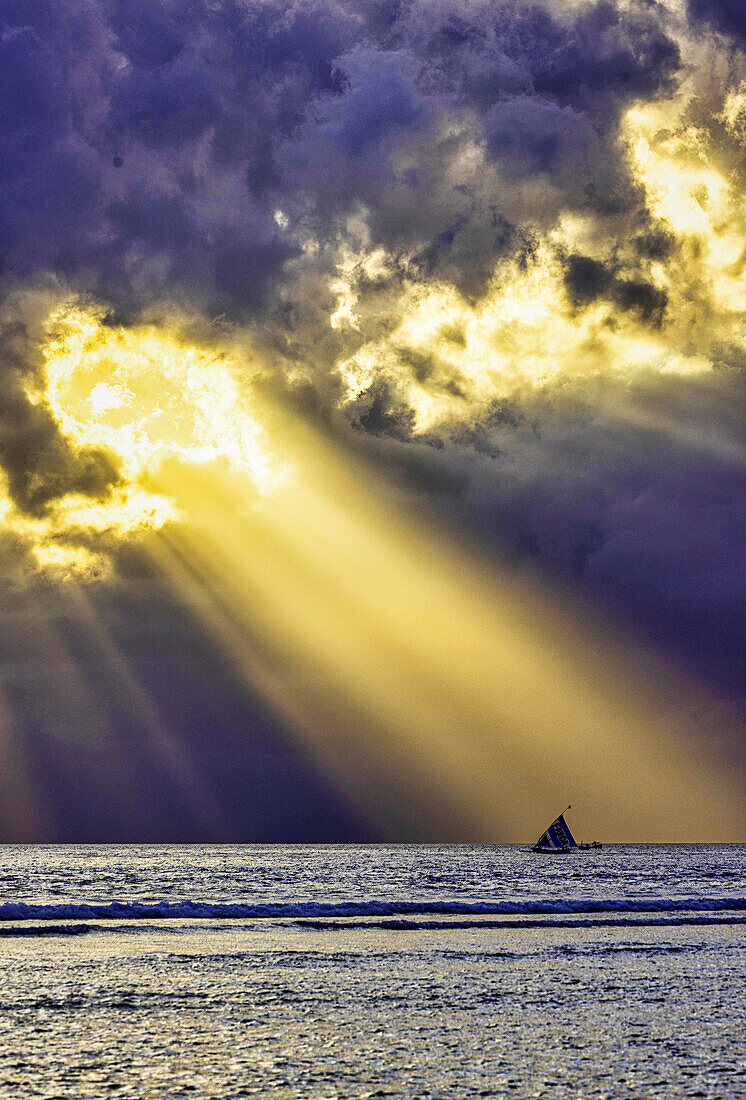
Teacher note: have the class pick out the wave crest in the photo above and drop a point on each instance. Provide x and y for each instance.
(175, 910)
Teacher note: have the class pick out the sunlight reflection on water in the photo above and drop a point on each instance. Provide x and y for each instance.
(222, 1009)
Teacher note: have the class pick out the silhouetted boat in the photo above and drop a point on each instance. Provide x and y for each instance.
(558, 839)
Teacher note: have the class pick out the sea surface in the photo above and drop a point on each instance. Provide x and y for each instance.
(216, 971)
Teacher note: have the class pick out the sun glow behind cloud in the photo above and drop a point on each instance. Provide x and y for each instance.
(146, 394)
(523, 333)
(447, 356)
(694, 199)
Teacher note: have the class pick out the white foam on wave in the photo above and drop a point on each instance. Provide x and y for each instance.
(175, 910)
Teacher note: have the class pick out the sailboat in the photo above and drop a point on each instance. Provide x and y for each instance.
(558, 839)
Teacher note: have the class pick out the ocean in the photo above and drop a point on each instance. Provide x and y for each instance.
(216, 971)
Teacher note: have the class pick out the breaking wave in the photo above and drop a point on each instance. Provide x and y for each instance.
(404, 924)
(175, 910)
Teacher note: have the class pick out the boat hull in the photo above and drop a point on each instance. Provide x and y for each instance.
(545, 851)
(553, 851)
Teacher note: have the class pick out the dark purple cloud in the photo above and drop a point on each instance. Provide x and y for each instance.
(214, 115)
(726, 16)
(605, 58)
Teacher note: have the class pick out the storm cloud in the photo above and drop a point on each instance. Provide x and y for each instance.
(727, 16)
(147, 147)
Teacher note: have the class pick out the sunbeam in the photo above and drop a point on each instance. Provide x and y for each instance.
(150, 736)
(434, 687)
(431, 686)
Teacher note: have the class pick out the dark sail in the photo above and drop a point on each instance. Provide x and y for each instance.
(557, 836)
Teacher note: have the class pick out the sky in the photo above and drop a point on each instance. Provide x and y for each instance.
(372, 420)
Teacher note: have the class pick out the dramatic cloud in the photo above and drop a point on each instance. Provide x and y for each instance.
(497, 250)
(727, 16)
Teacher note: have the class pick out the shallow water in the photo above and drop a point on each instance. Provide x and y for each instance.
(563, 985)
